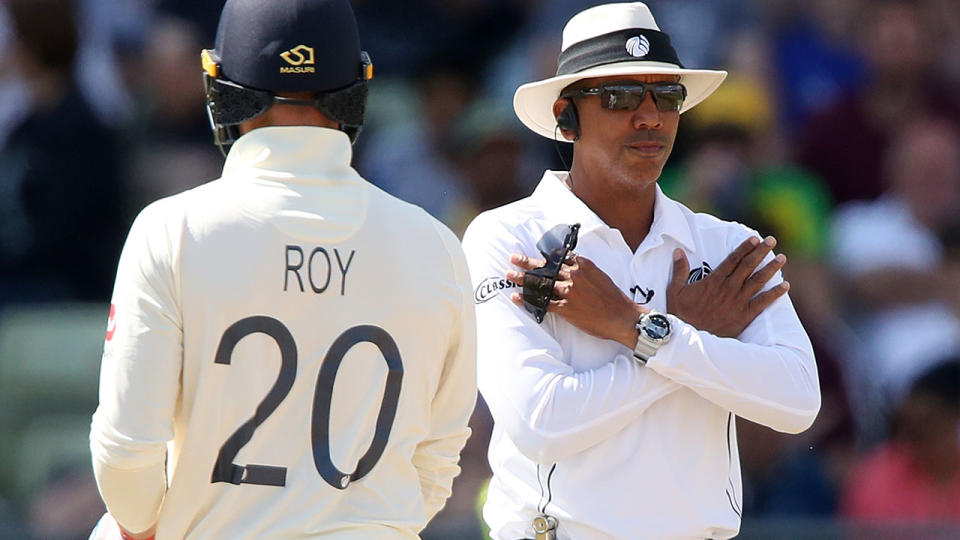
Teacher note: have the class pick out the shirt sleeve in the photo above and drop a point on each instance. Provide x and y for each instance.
(547, 409)
(437, 457)
(767, 375)
(139, 374)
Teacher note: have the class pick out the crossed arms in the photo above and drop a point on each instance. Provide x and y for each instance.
(747, 351)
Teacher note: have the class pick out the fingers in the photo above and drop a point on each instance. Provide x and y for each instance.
(762, 276)
(763, 300)
(575, 260)
(575, 265)
(525, 262)
(751, 260)
(554, 306)
(733, 259)
(561, 288)
(572, 263)
(517, 277)
(681, 269)
(563, 284)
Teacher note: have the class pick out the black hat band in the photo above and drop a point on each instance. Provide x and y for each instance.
(630, 45)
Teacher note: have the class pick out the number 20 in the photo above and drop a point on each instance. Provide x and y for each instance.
(225, 470)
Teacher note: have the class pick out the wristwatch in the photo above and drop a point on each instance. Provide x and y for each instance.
(653, 331)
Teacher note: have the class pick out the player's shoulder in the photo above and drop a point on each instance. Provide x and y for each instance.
(401, 211)
(174, 208)
(162, 212)
(157, 231)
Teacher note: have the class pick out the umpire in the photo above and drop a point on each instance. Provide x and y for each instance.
(614, 417)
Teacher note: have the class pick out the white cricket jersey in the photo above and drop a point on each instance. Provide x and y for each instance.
(295, 345)
(583, 431)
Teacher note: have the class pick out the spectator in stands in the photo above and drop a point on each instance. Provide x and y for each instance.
(716, 22)
(845, 144)
(816, 61)
(169, 141)
(888, 260)
(414, 160)
(492, 158)
(916, 475)
(60, 211)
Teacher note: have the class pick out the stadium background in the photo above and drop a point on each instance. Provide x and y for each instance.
(836, 131)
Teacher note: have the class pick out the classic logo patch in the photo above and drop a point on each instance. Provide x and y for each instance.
(490, 287)
(301, 58)
(699, 273)
(638, 46)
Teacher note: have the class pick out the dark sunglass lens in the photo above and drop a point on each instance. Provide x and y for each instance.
(669, 97)
(622, 98)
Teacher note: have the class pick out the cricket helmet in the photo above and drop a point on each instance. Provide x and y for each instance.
(264, 48)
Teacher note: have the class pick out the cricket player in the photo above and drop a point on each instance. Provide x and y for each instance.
(613, 371)
(290, 351)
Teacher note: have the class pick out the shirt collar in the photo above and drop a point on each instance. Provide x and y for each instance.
(561, 206)
(293, 153)
(669, 220)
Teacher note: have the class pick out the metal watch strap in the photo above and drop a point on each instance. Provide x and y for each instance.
(644, 350)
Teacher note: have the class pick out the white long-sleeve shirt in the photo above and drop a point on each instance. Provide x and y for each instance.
(331, 320)
(612, 448)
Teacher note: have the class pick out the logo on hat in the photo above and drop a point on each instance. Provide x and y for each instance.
(299, 56)
(638, 46)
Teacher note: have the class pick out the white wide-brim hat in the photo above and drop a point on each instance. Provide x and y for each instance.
(604, 41)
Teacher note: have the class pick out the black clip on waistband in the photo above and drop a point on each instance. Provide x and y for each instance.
(538, 283)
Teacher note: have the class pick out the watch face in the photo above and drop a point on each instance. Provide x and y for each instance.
(657, 327)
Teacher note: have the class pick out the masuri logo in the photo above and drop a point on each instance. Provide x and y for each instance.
(300, 57)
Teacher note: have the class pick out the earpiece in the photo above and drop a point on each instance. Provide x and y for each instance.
(569, 120)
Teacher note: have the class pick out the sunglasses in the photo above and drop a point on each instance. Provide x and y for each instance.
(667, 96)
(555, 245)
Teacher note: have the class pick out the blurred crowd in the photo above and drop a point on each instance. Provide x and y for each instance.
(837, 131)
